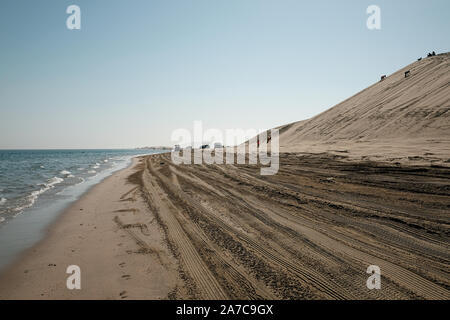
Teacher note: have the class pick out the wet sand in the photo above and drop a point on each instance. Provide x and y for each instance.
(97, 233)
(161, 231)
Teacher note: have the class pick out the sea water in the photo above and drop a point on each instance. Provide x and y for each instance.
(36, 185)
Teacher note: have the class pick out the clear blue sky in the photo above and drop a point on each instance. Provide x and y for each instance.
(139, 69)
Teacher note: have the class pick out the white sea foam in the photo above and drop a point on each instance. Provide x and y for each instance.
(106, 160)
(95, 167)
(65, 172)
(80, 169)
(70, 176)
(2, 219)
(55, 180)
(92, 171)
(35, 194)
(2, 200)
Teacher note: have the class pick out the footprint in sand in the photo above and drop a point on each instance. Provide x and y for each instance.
(126, 277)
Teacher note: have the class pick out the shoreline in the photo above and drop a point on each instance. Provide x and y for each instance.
(42, 267)
(46, 231)
(24, 230)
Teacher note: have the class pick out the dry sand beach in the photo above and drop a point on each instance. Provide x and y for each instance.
(365, 183)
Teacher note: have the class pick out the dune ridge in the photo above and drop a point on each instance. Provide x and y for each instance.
(399, 118)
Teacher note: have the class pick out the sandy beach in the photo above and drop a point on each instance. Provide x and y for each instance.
(97, 233)
(161, 231)
(365, 183)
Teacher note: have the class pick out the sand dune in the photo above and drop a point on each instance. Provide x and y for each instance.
(395, 119)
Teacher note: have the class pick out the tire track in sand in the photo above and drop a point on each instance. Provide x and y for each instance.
(207, 285)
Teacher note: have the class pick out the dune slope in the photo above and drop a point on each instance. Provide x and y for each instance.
(394, 118)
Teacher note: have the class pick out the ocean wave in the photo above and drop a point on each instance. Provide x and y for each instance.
(2, 200)
(55, 180)
(65, 172)
(106, 160)
(35, 194)
(2, 219)
(80, 169)
(70, 176)
(96, 165)
(92, 171)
